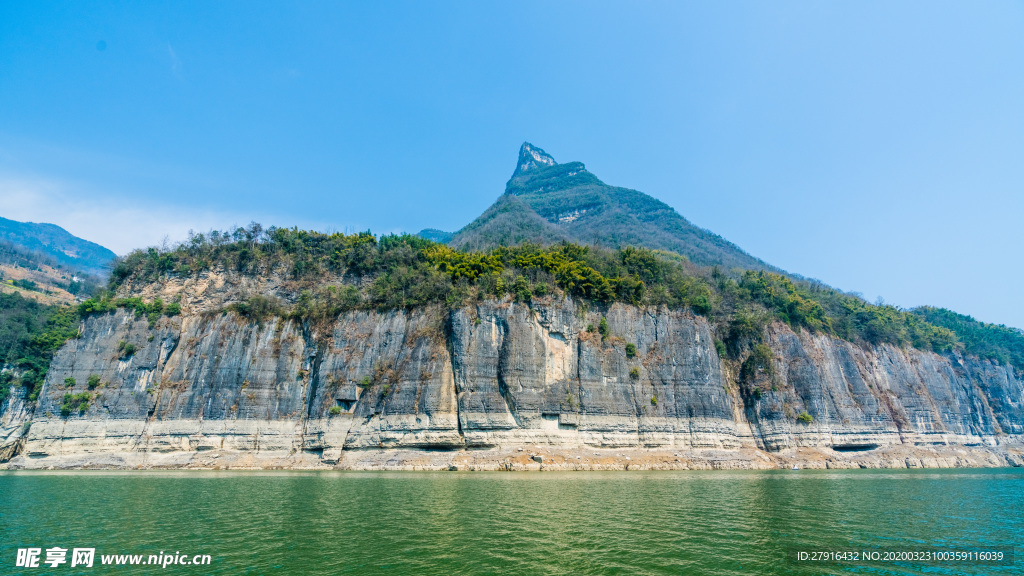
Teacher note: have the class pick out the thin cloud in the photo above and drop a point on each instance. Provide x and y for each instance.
(111, 222)
(175, 62)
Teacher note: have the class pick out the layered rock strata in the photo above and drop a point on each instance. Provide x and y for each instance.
(492, 376)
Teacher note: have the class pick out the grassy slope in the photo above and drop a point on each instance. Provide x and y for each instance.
(38, 276)
(508, 222)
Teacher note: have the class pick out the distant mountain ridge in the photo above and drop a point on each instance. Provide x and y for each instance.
(548, 202)
(435, 235)
(57, 243)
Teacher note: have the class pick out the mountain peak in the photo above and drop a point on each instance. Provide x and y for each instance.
(546, 202)
(531, 157)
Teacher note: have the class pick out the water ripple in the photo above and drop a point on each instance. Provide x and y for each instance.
(558, 524)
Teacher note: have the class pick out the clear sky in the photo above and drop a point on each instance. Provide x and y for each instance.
(877, 146)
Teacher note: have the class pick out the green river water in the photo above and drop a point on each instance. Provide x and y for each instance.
(714, 522)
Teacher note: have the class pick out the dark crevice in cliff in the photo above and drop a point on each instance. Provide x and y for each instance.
(449, 343)
(985, 407)
(314, 381)
(579, 372)
(165, 352)
(854, 447)
(751, 412)
(895, 414)
(164, 355)
(504, 359)
(315, 358)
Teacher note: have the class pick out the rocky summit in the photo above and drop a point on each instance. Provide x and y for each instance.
(530, 158)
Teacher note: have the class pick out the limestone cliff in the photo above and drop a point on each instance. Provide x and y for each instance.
(492, 375)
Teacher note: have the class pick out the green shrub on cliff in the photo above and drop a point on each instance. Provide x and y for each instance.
(521, 289)
(125, 349)
(720, 348)
(105, 303)
(760, 361)
(75, 403)
(258, 307)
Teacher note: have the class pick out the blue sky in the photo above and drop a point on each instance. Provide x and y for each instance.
(876, 146)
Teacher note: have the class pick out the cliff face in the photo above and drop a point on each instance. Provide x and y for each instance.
(496, 374)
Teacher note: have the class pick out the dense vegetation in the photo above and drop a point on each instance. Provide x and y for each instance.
(820, 308)
(999, 343)
(410, 271)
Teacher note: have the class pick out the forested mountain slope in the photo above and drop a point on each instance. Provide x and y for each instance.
(546, 202)
(63, 247)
